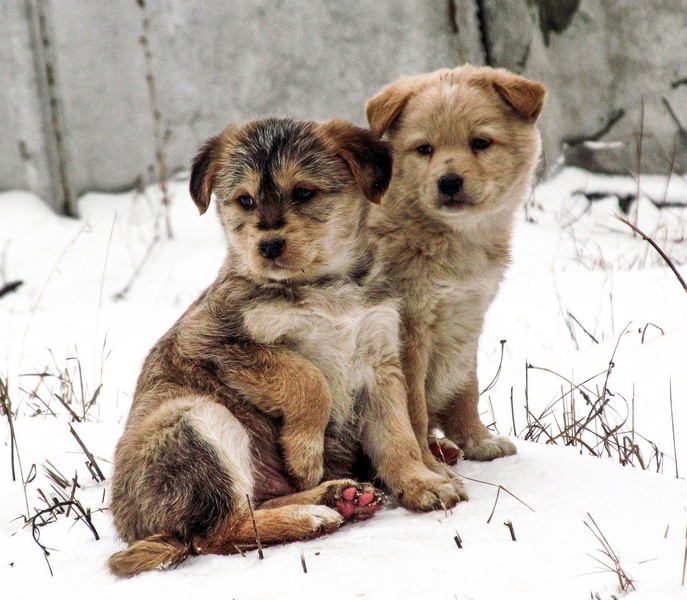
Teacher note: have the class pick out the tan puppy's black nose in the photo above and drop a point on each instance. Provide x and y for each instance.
(272, 248)
(450, 184)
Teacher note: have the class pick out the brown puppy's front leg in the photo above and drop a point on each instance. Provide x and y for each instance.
(387, 437)
(279, 381)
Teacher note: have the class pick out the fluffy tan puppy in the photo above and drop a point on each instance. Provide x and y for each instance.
(465, 147)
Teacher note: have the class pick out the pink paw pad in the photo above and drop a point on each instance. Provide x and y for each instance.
(358, 503)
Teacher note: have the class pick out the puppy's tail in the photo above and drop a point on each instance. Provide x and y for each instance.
(155, 552)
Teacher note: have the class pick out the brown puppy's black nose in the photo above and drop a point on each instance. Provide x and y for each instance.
(450, 184)
(271, 248)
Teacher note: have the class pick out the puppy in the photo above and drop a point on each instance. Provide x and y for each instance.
(286, 368)
(465, 148)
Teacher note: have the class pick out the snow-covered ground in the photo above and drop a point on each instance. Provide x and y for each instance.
(582, 291)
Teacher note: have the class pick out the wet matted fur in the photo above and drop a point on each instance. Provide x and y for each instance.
(284, 371)
(465, 148)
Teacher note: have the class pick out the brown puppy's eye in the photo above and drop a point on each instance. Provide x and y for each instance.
(303, 194)
(425, 150)
(246, 202)
(480, 143)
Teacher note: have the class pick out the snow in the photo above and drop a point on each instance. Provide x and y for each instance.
(578, 273)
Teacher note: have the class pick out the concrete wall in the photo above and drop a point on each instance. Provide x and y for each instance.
(616, 71)
(75, 101)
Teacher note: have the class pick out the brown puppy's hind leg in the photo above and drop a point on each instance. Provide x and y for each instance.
(461, 424)
(280, 525)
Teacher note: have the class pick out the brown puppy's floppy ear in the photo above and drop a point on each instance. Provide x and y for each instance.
(524, 95)
(368, 157)
(384, 108)
(205, 167)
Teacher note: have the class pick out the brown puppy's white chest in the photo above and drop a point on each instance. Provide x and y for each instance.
(338, 330)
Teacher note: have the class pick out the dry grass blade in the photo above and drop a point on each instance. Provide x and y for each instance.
(6, 407)
(498, 371)
(54, 509)
(500, 487)
(92, 463)
(599, 422)
(625, 582)
(672, 425)
(6, 404)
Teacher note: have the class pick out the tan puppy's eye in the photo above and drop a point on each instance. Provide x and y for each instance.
(303, 194)
(480, 143)
(246, 202)
(425, 150)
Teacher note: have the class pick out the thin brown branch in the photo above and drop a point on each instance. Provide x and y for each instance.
(658, 249)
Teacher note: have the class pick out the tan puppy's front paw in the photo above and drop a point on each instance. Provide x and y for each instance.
(437, 466)
(429, 491)
(444, 450)
(489, 448)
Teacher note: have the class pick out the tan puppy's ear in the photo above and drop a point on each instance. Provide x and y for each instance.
(368, 157)
(384, 108)
(524, 95)
(205, 167)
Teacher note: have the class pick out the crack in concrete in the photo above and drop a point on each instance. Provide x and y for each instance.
(453, 16)
(65, 203)
(482, 21)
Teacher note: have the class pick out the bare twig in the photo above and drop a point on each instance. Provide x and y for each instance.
(572, 316)
(255, 528)
(658, 249)
(509, 524)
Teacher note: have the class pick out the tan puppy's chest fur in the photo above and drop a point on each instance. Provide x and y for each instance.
(465, 147)
(446, 297)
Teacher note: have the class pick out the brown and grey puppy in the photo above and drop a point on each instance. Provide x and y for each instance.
(283, 371)
(465, 148)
